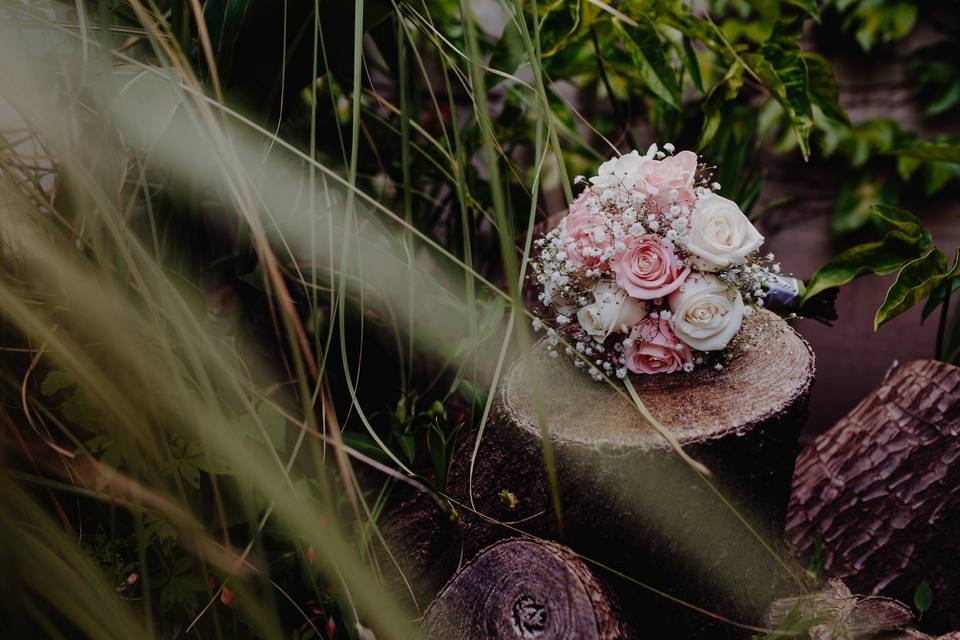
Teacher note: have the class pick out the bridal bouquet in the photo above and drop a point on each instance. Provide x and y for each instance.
(651, 271)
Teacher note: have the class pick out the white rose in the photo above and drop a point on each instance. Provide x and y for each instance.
(616, 171)
(611, 309)
(720, 235)
(706, 312)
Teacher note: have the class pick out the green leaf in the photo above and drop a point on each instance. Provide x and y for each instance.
(691, 62)
(647, 52)
(931, 151)
(408, 444)
(783, 71)
(364, 444)
(923, 597)
(809, 6)
(854, 205)
(508, 52)
(823, 87)
(906, 240)
(722, 92)
(559, 21)
(189, 472)
(889, 218)
(273, 423)
(915, 282)
(80, 410)
(878, 258)
(55, 381)
(935, 71)
(474, 396)
(880, 20)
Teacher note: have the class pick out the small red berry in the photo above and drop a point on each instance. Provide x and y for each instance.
(226, 597)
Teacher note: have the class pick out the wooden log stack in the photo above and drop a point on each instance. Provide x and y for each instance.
(628, 501)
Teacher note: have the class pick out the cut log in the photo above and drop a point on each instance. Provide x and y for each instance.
(523, 589)
(627, 500)
(881, 489)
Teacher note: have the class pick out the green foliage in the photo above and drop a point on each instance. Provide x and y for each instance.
(782, 68)
(932, 151)
(916, 281)
(906, 240)
(923, 598)
(936, 69)
(647, 53)
(923, 273)
(889, 160)
(877, 21)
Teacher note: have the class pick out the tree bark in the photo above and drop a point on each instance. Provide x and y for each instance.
(881, 489)
(523, 589)
(627, 500)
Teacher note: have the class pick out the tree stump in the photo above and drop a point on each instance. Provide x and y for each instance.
(881, 489)
(523, 589)
(628, 501)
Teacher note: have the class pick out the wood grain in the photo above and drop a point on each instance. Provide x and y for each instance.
(523, 589)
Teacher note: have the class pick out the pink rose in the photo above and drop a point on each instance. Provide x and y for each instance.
(584, 230)
(654, 348)
(648, 269)
(672, 173)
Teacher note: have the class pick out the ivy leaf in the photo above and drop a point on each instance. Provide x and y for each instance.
(916, 281)
(931, 151)
(823, 87)
(647, 52)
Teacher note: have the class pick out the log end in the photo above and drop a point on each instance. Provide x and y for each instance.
(520, 589)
